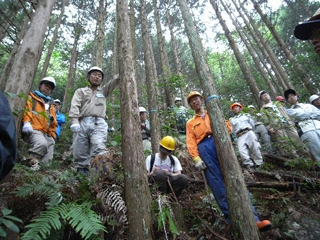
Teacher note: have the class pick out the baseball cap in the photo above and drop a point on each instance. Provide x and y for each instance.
(304, 30)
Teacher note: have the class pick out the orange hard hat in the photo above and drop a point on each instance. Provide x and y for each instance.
(236, 104)
(194, 93)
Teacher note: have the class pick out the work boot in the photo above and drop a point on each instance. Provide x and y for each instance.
(264, 225)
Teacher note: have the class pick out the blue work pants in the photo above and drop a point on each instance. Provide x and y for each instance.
(208, 153)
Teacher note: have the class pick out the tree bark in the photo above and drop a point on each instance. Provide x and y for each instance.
(239, 204)
(28, 56)
(251, 51)
(100, 34)
(6, 19)
(137, 195)
(151, 79)
(265, 49)
(303, 75)
(165, 66)
(176, 57)
(53, 41)
(7, 68)
(72, 68)
(241, 61)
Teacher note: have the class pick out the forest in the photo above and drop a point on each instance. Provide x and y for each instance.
(228, 50)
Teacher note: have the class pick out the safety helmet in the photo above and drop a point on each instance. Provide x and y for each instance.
(261, 93)
(236, 104)
(251, 106)
(280, 99)
(194, 93)
(313, 97)
(168, 143)
(95, 68)
(177, 99)
(49, 80)
(57, 101)
(142, 109)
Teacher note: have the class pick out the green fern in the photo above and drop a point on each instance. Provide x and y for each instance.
(45, 186)
(80, 217)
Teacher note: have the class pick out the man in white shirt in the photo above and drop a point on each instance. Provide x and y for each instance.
(164, 169)
(307, 120)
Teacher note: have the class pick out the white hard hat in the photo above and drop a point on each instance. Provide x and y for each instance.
(251, 106)
(313, 97)
(50, 80)
(261, 93)
(142, 109)
(95, 68)
(177, 99)
(57, 101)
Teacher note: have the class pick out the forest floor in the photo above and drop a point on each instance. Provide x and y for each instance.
(284, 191)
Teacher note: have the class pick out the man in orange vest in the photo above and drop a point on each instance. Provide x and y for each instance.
(40, 123)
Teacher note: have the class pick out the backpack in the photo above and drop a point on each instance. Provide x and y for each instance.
(153, 157)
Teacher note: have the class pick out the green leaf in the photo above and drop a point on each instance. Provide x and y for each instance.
(3, 233)
(6, 211)
(11, 225)
(13, 218)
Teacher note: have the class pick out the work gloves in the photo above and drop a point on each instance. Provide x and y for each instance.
(27, 128)
(200, 165)
(75, 127)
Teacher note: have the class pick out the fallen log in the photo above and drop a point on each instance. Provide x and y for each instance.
(276, 185)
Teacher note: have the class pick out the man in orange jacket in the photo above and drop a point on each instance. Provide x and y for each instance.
(202, 149)
(40, 122)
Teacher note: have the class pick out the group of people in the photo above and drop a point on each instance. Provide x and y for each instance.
(42, 121)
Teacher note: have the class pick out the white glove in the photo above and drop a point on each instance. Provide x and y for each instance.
(75, 127)
(200, 165)
(27, 128)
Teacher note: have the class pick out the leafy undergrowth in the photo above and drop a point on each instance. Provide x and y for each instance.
(282, 191)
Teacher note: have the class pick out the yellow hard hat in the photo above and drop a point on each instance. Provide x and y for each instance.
(168, 143)
(194, 93)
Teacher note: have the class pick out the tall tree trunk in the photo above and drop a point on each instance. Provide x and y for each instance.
(176, 57)
(241, 215)
(265, 49)
(242, 63)
(140, 80)
(251, 51)
(151, 79)
(115, 70)
(165, 66)
(53, 41)
(100, 34)
(7, 68)
(6, 18)
(303, 75)
(28, 56)
(137, 195)
(72, 68)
